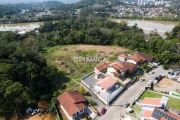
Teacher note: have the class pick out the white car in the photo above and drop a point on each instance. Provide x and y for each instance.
(142, 79)
(33, 113)
(152, 72)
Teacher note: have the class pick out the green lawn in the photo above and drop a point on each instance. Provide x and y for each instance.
(136, 108)
(174, 103)
(150, 94)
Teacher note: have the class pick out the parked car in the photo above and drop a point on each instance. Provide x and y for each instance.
(126, 104)
(152, 72)
(156, 78)
(33, 113)
(103, 110)
(142, 79)
(169, 72)
(160, 77)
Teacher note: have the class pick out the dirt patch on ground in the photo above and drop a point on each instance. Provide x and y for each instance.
(47, 116)
(165, 82)
(105, 49)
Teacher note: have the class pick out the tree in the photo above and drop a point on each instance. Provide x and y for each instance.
(82, 90)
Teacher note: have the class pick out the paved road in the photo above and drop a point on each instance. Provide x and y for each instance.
(115, 111)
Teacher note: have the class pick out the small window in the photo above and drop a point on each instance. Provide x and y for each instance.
(74, 115)
(81, 111)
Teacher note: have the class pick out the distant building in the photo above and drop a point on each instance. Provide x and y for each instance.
(142, 2)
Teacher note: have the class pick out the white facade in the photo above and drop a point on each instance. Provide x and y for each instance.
(74, 115)
(121, 59)
(131, 61)
(149, 107)
(96, 70)
(110, 69)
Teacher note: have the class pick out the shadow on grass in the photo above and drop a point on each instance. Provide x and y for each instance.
(61, 80)
(43, 50)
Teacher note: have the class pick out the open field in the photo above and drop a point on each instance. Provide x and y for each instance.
(172, 103)
(63, 57)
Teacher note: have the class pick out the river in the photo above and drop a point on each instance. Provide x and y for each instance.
(160, 26)
(20, 26)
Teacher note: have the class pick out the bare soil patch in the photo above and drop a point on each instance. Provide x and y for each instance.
(165, 82)
(47, 116)
(102, 49)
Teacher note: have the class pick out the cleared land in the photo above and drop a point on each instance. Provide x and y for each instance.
(167, 85)
(172, 103)
(165, 82)
(63, 57)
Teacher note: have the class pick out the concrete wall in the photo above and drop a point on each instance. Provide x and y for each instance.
(145, 107)
(112, 98)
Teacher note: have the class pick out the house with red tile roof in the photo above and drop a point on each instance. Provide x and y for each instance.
(101, 67)
(139, 58)
(159, 114)
(151, 103)
(116, 69)
(72, 103)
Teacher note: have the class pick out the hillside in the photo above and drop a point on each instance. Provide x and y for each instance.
(4, 10)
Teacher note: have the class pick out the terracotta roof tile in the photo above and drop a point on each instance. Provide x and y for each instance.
(140, 57)
(145, 56)
(124, 66)
(117, 74)
(152, 101)
(106, 82)
(123, 55)
(72, 101)
(129, 66)
(147, 114)
(102, 66)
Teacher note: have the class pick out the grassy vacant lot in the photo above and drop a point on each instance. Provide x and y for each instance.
(64, 57)
(174, 103)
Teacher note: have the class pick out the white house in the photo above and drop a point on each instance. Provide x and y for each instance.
(150, 104)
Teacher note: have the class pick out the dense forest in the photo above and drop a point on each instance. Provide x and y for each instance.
(38, 5)
(25, 77)
(7, 10)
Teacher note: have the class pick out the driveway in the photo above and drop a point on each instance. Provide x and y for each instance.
(115, 111)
